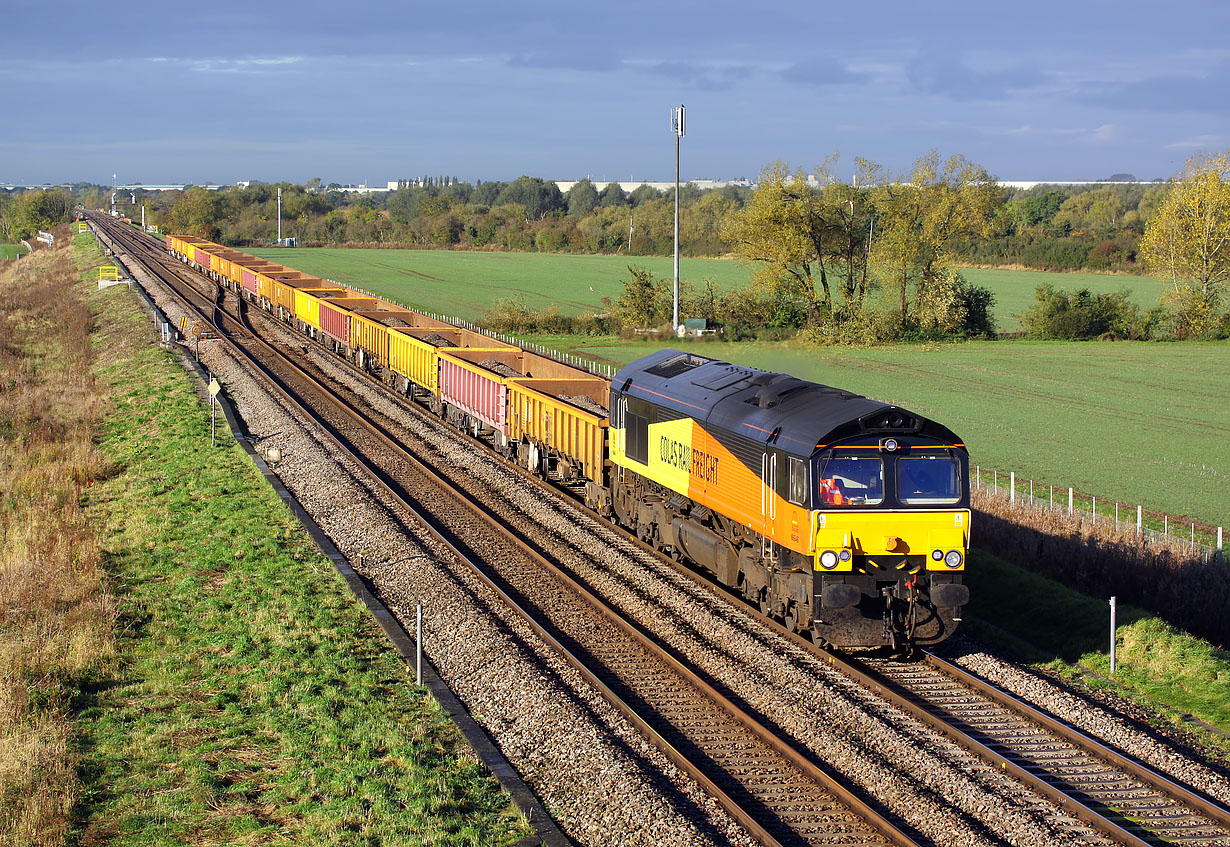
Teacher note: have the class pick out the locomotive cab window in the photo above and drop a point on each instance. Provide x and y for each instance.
(851, 481)
(797, 481)
(928, 480)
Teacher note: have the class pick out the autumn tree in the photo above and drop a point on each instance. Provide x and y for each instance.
(1188, 242)
(646, 301)
(784, 231)
(33, 211)
(919, 219)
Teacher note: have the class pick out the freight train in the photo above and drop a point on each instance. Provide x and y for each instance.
(844, 518)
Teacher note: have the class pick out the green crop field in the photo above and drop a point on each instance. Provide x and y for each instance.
(467, 283)
(1137, 422)
(1014, 290)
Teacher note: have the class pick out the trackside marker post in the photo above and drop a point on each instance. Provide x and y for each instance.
(418, 643)
(214, 388)
(1112, 636)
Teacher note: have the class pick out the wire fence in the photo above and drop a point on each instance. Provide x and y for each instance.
(1083, 510)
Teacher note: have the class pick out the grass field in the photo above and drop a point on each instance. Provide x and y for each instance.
(467, 283)
(1141, 423)
(11, 251)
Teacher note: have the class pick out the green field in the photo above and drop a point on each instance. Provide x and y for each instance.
(11, 251)
(467, 283)
(1137, 422)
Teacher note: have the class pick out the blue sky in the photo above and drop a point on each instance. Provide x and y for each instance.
(372, 91)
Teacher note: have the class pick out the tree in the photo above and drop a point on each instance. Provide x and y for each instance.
(1188, 241)
(1037, 209)
(36, 210)
(852, 224)
(539, 198)
(1097, 210)
(582, 198)
(645, 301)
(783, 230)
(920, 218)
(644, 193)
(196, 212)
(613, 194)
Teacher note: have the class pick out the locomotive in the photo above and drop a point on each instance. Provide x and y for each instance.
(845, 518)
(837, 514)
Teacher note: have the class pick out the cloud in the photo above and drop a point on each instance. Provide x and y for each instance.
(240, 66)
(1199, 92)
(949, 76)
(1198, 142)
(591, 60)
(822, 70)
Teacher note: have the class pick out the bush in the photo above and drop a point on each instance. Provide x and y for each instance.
(1056, 254)
(1193, 313)
(1080, 314)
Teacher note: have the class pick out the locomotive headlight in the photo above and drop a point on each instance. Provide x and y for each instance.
(937, 555)
(828, 560)
(844, 555)
(953, 558)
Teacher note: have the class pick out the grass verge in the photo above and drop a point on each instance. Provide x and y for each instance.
(1063, 631)
(246, 697)
(56, 616)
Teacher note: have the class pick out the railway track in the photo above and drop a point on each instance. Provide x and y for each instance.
(1120, 798)
(777, 794)
(1107, 789)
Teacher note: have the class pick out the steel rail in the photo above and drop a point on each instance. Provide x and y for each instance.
(811, 769)
(878, 683)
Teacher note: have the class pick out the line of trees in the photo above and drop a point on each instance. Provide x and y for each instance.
(872, 258)
(23, 215)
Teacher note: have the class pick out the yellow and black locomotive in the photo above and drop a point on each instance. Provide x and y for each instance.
(838, 514)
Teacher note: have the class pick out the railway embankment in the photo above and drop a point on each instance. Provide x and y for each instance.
(207, 677)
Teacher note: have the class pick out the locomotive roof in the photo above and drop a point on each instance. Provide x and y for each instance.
(792, 414)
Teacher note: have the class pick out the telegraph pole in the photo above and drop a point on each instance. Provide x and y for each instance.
(279, 217)
(677, 130)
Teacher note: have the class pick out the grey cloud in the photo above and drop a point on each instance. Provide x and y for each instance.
(699, 75)
(950, 77)
(589, 61)
(822, 70)
(1167, 93)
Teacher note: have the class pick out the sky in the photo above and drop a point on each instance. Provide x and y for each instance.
(377, 90)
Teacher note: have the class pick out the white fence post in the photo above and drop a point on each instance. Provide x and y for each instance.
(1012, 487)
(1069, 501)
(1139, 524)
